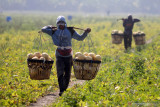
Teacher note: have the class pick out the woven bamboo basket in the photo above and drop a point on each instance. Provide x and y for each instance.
(85, 70)
(39, 69)
(139, 39)
(117, 38)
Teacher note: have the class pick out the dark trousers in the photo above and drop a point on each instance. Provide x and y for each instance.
(127, 40)
(63, 65)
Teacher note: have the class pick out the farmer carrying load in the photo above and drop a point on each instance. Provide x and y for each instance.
(62, 36)
(128, 24)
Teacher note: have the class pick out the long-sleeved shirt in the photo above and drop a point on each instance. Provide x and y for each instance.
(62, 38)
(128, 24)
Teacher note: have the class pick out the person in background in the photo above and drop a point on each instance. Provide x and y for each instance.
(128, 24)
(62, 36)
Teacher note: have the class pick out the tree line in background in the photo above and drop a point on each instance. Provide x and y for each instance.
(89, 6)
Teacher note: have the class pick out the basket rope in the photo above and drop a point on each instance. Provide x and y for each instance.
(82, 46)
(40, 43)
(90, 45)
(94, 49)
(41, 36)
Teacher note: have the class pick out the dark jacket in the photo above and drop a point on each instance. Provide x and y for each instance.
(128, 24)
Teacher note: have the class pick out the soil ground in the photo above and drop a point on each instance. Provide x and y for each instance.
(52, 97)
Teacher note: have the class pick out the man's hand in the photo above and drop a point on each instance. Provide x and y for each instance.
(88, 30)
(54, 28)
(121, 19)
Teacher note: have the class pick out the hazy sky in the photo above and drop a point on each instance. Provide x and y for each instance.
(89, 6)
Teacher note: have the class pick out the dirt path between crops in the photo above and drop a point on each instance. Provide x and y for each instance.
(52, 97)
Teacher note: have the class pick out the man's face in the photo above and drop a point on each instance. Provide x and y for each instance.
(61, 24)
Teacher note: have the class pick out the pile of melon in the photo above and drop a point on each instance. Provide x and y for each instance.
(85, 67)
(38, 56)
(138, 33)
(117, 32)
(87, 56)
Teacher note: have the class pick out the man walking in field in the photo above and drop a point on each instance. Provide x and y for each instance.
(128, 24)
(62, 36)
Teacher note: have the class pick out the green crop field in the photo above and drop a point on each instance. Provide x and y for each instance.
(124, 79)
